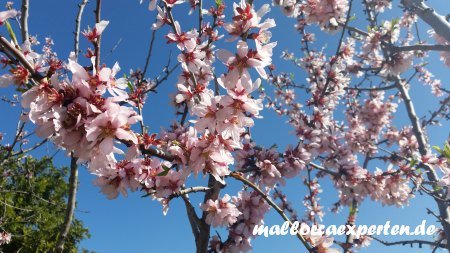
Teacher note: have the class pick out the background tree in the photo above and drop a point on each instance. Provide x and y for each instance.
(33, 195)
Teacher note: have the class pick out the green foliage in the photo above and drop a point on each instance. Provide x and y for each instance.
(445, 152)
(33, 197)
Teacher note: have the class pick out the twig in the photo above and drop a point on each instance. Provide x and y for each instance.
(422, 48)
(71, 202)
(185, 191)
(24, 20)
(77, 27)
(423, 150)
(429, 16)
(239, 177)
(99, 38)
(411, 242)
(149, 54)
(20, 57)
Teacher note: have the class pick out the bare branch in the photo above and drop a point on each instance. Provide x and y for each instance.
(71, 202)
(77, 27)
(99, 38)
(149, 54)
(24, 19)
(410, 242)
(422, 48)
(429, 16)
(186, 191)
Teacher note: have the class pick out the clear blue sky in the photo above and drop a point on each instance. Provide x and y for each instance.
(134, 224)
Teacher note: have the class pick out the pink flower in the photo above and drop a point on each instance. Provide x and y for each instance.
(111, 124)
(184, 40)
(5, 238)
(220, 212)
(93, 34)
(161, 19)
(192, 60)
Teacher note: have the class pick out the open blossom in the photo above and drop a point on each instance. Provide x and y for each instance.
(192, 60)
(325, 12)
(5, 238)
(322, 244)
(290, 8)
(117, 179)
(93, 34)
(221, 212)
(111, 124)
(161, 19)
(183, 40)
(245, 18)
(238, 64)
(4, 15)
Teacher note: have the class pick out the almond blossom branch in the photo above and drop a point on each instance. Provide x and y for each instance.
(20, 57)
(424, 150)
(444, 104)
(239, 177)
(438, 22)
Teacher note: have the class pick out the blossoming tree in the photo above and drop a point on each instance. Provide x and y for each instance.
(342, 114)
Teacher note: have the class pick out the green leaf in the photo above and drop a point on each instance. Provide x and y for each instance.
(164, 173)
(438, 149)
(11, 32)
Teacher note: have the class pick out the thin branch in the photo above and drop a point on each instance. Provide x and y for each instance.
(31, 149)
(149, 54)
(316, 166)
(99, 38)
(185, 191)
(20, 57)
(429, 16)
(411, 242)
(239, 177)
(423, 150)
(71, 202)
(422, 48)
(77, 27)
(372, 89)
(24, 20)
(444, 104)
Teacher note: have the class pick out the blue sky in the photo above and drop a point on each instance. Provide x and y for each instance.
(134, 224)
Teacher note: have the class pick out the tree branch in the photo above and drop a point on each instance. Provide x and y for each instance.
(20, 58)
(423, 150)
(99, 38)
(77, 27)
(239, 177)
(71, 202)
(411, 242)
(24, 20)
(429, 16)
(422, 48)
